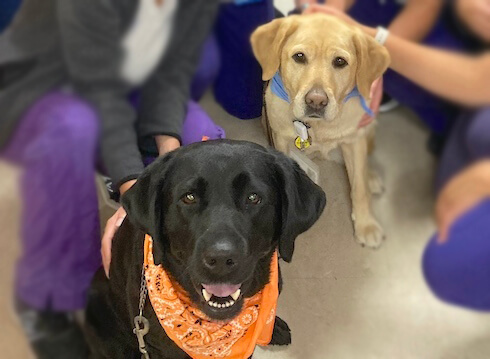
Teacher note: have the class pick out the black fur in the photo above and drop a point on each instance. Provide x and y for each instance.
(221, 174)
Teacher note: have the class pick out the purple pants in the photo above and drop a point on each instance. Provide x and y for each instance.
(56, 144)
(469, 140)
(459, 270)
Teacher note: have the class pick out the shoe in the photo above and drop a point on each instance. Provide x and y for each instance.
(388, 103)
(52, 335)
(435, 144)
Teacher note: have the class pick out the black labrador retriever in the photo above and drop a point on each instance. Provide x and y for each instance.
(217, 211)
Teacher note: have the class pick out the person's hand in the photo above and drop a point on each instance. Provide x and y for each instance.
(335, 11)
(111, 227)
(330, 10)
(304, 4)
(376, 96)
(166, 144)
(462, 193)
(476, 16)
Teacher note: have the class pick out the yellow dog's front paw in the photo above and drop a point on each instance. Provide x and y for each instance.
(369, 234)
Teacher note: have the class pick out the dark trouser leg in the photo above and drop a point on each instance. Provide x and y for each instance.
(239, 85)
(469, 141)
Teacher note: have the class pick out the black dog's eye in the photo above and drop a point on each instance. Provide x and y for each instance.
(254, 198)
(339, 62)
(189, 198)
(300, 58)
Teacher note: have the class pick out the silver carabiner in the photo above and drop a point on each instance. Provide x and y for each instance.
(141, 328)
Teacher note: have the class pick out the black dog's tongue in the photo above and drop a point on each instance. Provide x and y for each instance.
(221, 290)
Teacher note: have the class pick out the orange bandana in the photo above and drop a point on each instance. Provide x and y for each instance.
(194, 333)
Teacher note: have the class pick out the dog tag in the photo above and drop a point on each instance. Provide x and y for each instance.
(141, 328)
(307, 165)
(303, 140)
(301, 130)
(300, 144)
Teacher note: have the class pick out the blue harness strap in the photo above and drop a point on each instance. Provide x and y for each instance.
(355, 93)
(278, 89)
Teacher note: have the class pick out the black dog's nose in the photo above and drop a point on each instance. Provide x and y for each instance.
(316, 99)
(221, 257)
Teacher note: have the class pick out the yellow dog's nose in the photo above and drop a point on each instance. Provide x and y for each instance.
(316, 99)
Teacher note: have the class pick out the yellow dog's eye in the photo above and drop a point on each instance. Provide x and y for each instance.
(300, 58)
(339, 62)
(189, 198)
(254, 198)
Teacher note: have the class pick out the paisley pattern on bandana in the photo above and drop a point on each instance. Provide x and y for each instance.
(200, 337)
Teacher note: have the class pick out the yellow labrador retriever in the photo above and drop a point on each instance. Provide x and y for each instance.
(320, 71)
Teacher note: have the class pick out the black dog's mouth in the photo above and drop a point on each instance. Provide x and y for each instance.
(221, 297)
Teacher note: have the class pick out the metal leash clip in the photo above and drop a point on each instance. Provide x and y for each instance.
(141, 324)
(142, 327)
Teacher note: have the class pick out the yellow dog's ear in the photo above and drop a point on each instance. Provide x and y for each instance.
(268, 41)
(372, 61)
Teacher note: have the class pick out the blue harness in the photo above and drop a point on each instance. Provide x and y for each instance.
(277, 87)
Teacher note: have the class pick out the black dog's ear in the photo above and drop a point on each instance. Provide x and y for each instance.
(302, 203)
(143, 202)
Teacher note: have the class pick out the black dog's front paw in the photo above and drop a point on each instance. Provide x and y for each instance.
(281, 334)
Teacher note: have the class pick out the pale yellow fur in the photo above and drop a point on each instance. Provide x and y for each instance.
(321, 39)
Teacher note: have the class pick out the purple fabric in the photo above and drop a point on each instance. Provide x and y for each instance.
(458, 271)
(207, 70)
(198, 124)
(436, 113)
(55, 144)
(468, 141)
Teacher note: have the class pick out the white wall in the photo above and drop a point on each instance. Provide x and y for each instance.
(284, 5)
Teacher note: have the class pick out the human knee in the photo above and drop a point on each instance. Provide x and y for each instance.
(73, 119)
(433, 271)
(456, 277)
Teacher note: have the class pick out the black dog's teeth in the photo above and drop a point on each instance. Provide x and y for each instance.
(220, 302)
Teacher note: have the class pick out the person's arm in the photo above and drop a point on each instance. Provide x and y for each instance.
(339, 4)
(475, 15)
(90, 40)
(165, 96)
(460, 78)
(416, 19)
